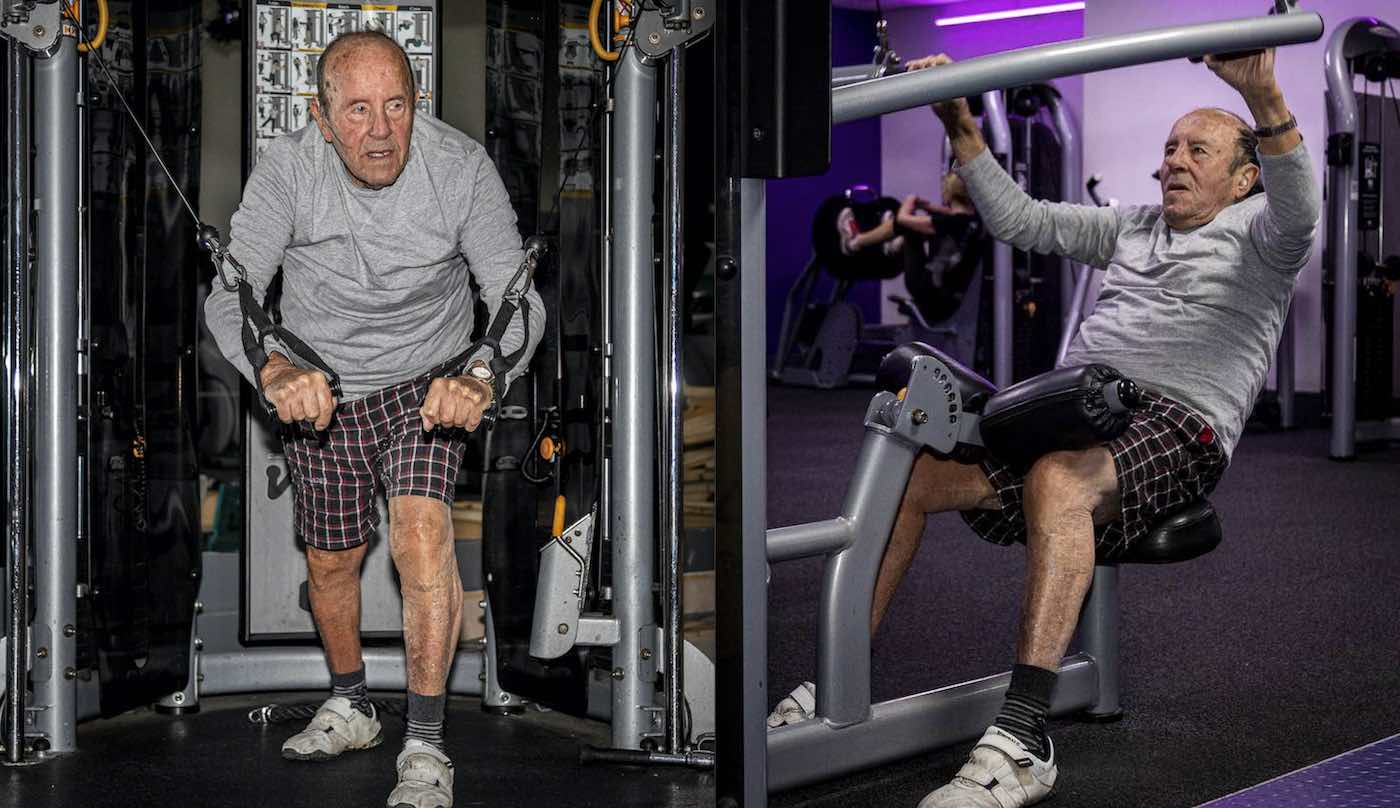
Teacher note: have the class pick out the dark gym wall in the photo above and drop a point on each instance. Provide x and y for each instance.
(855, 158)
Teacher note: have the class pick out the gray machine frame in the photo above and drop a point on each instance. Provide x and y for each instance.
(1354, 36)
(849, 732)
(43, 652)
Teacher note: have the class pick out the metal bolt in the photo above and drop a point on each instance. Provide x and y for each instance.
(481, 677)
(179, 698)
(618, 674)
(70, 630)
(758, 133)
(919, 417)
(199, 607)
(698, 13)
(39, 31)
(194, 573)
(505, 697)
(198, 644)
(42, 653)
(563, 628)
(199, 678)
(654, 38)
(646, 653)
(70, 674)
(481, 604)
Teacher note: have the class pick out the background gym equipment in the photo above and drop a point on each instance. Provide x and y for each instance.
(1362, 258)
(828, 343)
(744, 775)
(941, 407)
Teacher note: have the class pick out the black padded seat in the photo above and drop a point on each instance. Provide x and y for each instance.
(1189, 531)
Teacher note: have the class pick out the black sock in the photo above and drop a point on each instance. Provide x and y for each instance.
(1027, 705)
(425, 718)
(352, 686)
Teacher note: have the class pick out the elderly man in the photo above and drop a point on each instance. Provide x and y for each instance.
(1191, 308)
(377, 226)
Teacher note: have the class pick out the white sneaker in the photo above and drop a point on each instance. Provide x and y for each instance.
(425, 777)
(336, 727)
(1001, 773)
(800, 705)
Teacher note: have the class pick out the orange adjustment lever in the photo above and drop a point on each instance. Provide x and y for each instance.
(558, 517)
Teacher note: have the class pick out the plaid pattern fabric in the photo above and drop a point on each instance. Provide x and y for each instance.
(1168, 456)
(374, 443)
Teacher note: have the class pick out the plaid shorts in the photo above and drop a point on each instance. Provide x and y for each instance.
(374, 443)
(1168, 456)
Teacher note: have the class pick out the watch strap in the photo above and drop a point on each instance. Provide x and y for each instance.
(1275, 131)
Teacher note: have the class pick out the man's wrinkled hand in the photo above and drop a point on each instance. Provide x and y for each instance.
(954, 112)
(456, 401)
(1252, 76)
(298, 394)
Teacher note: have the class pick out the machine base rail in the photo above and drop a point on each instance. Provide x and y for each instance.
(637, 757)
(815, 750)
(255, 670)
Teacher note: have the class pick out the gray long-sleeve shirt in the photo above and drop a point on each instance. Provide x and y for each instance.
(376, 281)
(1195, 315)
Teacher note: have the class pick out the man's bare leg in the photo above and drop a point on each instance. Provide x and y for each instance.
(934, 486)
(333, 585)
(1067, 493)
(420, 538)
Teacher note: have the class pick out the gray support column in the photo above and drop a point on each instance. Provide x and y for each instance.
(17, 422)
(848, 585)
(1341, 184)
(1098, 638)
(55, 511)
(634, 369)
(1287, 365)
(671, 436)
(1003, 273)
(1071, 189)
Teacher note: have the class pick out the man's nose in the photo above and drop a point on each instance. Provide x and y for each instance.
(379, 125)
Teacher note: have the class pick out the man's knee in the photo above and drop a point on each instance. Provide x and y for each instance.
(325, 566)
(1083, 481)
(420, 543)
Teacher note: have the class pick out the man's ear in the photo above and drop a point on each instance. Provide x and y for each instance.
(1245, 180)
(322, 121)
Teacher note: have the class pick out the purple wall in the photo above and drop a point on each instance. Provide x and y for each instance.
(855, 158)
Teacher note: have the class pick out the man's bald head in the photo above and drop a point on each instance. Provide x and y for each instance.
(354, 47)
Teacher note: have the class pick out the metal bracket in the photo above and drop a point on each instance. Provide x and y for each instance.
(659, 31)
(37, 26)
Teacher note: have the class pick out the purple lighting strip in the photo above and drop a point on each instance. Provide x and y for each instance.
(1010, 13)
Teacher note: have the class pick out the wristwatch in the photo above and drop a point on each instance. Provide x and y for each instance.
(482, 371)
(1274, 131)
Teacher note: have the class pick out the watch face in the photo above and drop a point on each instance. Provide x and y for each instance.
(481, 372)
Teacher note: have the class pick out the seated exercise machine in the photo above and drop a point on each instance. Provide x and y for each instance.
(849, 732)
(930, 402)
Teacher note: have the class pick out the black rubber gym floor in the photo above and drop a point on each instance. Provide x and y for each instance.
(217, 759)
(1277, 650)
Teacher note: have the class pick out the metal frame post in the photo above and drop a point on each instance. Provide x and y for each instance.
(1073, 278)
(17, 415)
(671, 437)
(1353, 36)
(634, 371)
(1003, 271)
(1098, 638)
(55, 511)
